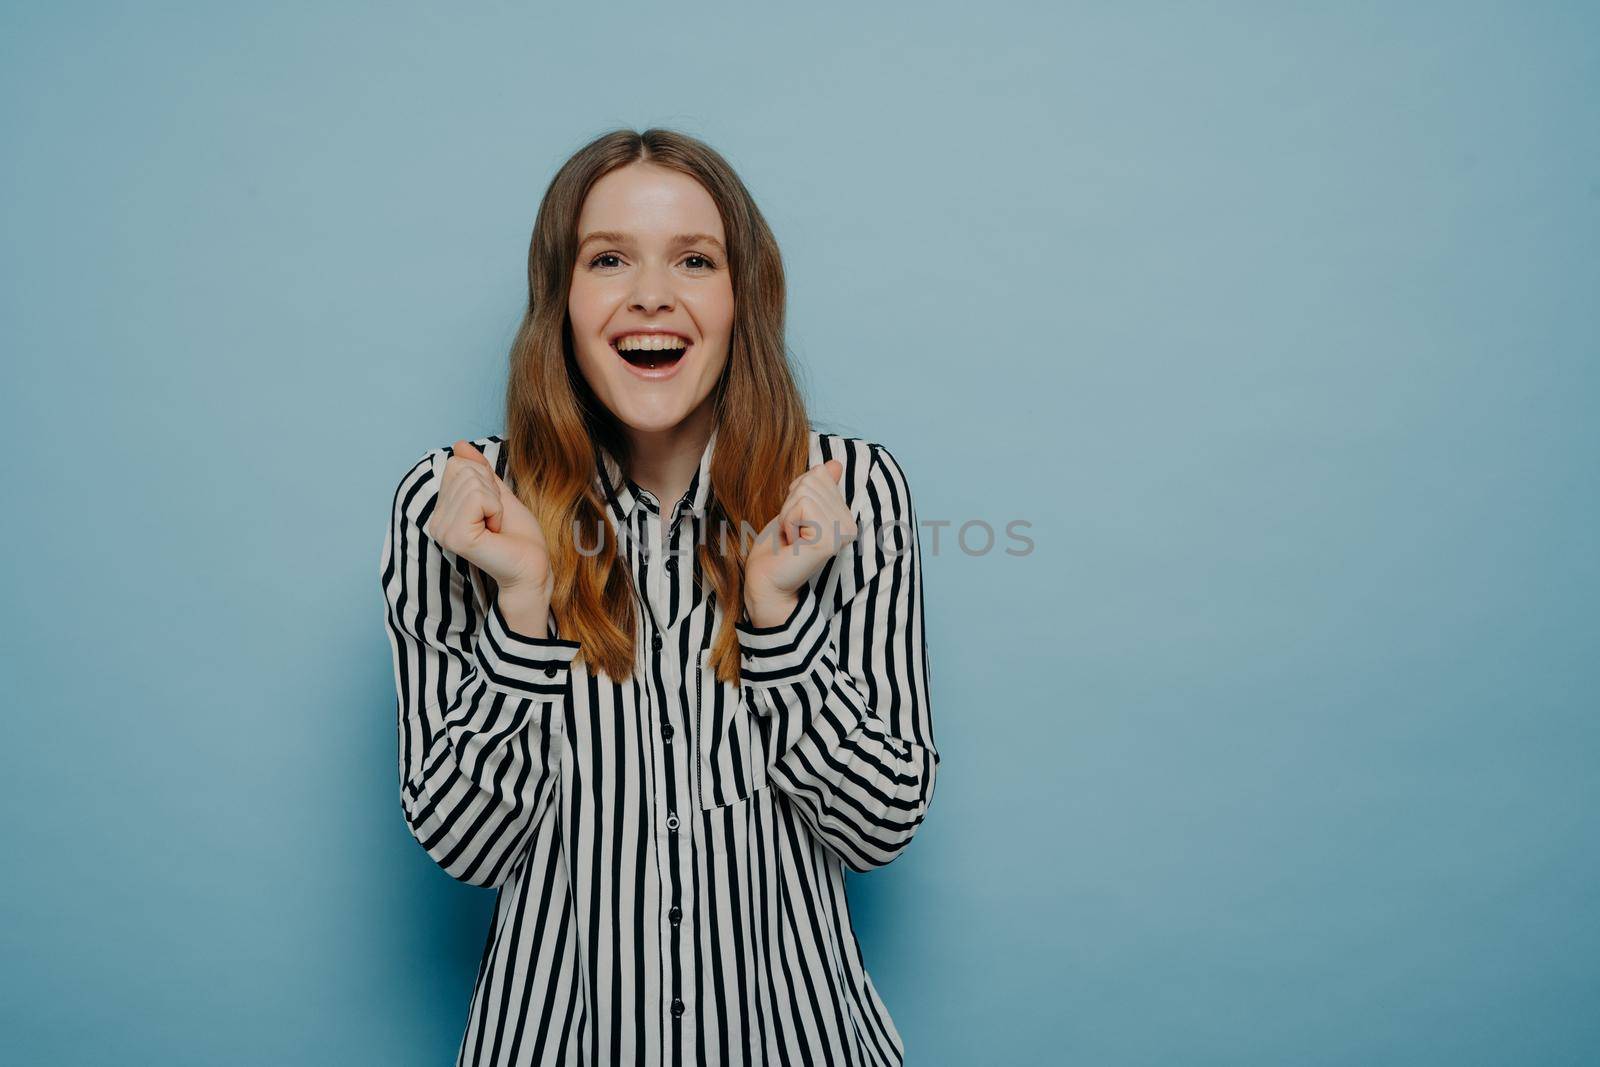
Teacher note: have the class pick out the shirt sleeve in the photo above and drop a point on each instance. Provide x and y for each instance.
(845, 693)
(481, 708)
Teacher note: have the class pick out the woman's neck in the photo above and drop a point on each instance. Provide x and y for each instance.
(665, 462)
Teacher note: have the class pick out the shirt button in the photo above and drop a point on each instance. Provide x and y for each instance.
(655, 642)
(666, 730)
(672, 821)
(675, 914)
(672, 564)
(677, 1007)
(549, 672)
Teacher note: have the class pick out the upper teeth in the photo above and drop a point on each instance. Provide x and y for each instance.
(649, 342)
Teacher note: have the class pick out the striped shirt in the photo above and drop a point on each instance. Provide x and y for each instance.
(668, 851)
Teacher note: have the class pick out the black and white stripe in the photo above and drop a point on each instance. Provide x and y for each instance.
(668, 851)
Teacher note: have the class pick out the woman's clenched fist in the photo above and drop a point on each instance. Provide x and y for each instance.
(478, 518)
(813, 525)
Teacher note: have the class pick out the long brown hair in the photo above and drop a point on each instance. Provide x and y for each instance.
(554, 421)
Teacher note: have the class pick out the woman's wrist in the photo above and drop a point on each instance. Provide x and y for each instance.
(767, 610)
(526, 611)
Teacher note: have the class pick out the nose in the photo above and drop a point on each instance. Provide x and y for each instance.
(652, 290)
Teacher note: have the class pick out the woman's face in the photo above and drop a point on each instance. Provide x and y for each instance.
(651, 261)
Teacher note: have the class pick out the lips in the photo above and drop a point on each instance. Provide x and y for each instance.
(652, 357)
(651, 353)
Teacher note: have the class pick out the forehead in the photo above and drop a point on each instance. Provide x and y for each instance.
(649, 202)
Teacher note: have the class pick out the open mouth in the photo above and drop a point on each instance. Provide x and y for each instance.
(657, 352)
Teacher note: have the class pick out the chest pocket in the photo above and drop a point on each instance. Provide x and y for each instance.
(730, 762)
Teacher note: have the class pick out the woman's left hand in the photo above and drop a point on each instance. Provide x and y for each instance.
(811, 528)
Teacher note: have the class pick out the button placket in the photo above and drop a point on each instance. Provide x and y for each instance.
(653, 597)
(666, 590)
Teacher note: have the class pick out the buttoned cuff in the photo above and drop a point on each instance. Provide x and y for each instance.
(788, 651)
(535, 668)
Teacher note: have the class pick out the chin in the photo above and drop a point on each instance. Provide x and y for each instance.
(650, 416)
(647, 404)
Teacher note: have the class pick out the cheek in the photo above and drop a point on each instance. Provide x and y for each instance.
(723, 312)
(596, 367)
(714, 370)
(588, 312)
(583, 309)
(712, 308)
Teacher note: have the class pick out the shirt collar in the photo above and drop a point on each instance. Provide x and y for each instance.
(622, 494)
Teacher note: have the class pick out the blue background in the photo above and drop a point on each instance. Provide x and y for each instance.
(1277, 325)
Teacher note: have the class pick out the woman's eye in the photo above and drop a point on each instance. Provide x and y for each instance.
(695, 261)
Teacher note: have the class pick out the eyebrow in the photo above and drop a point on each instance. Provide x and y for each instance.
(617, 237)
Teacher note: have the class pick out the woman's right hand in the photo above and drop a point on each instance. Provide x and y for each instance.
(478, 518)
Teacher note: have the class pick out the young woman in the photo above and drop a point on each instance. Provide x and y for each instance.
(659, 649)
